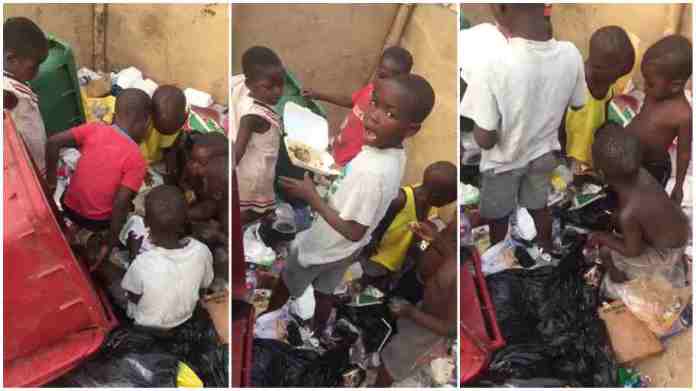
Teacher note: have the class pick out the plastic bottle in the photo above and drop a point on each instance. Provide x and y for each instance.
(250, 281)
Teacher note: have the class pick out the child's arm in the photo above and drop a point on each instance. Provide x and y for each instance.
(683, 158)
(486, 139)
(171, 163)
(562, 136)
(203, 210)
(395, 207)
(304, 190)
(338, 100)
(248, 124)
(60, 140)
(631, 245)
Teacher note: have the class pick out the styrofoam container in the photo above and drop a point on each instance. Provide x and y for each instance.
(128, 77)
(309, 131)
(198, 98)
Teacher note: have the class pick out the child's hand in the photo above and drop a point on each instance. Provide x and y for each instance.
(597, 239)
(148, 179)
(301, 189)
(309, 93)
(677, 195)
(425, 230)
(133, 243)
(401, 308)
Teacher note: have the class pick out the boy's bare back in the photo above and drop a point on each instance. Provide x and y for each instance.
(440, 293)
(658, 124)
(647, 207)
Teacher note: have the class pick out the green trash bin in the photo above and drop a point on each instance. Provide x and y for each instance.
(292, 92)
(58, 89)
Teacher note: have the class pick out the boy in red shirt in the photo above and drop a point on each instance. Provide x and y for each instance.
(110, 171)
(348, 143)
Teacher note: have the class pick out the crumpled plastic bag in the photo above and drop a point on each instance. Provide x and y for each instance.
(131, 370)
(376, 323)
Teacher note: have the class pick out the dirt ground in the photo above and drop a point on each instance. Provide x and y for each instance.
(673, 367)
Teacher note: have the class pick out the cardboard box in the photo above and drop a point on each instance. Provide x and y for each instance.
(630, 338)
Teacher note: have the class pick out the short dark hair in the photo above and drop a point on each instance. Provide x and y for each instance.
(169, 107)
(672, 57)
(419, 93)
(401, 56)
(256, 60)
(24, 37)
(443, 170)
(616, 152)
(133, 102)
(166, 208)
(216, 142)
(613, 41)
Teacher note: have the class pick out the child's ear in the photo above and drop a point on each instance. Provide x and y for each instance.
(676, 86)
(413, 128)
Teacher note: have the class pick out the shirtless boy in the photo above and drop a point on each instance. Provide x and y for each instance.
(666, 113)
(654, 229)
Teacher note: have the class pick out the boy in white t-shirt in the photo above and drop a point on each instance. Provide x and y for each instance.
(321, 255)
(517, 104)
(163, 283)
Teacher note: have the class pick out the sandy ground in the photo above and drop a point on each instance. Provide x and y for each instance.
(672, 368)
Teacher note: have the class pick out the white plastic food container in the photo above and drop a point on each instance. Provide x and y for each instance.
(308, 132)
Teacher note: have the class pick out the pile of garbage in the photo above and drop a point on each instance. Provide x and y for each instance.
(191, 355)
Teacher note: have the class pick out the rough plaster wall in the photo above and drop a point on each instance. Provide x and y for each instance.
(577, 22)
(431, 36)
(331, 48)
(71, 23)
(186, 45)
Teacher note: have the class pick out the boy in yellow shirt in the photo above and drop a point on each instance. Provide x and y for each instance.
(386, 252)
(611, 56)
(168, 117)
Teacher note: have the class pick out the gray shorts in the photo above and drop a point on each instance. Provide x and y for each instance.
(324, 278)
(372, 268)
(527, 187)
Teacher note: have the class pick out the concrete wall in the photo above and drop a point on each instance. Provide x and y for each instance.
(431, 36)
(187, 45)
(331, 48)
(72, 23)
(577, 22)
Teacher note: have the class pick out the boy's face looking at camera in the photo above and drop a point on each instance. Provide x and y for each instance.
(389, 67)
(387, 120)
(268, 87)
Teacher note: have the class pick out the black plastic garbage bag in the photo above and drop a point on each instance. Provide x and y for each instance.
(549, 319)
(595, 216)
(276, 363)
(211, 364)
(130, 370)
(525, 383)
(376, 323)
(130, 357)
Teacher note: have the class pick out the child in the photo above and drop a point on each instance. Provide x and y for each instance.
(163, 283)
(24, 48)
(256, 130)
(666, 113)
(517, 106)
(205, 147)
(611, 57)
(110, 171)
(654, 229)
(386, 252)
(169, 115)
(423, 326)
(216, 234)
(395, 61)
(320, 255)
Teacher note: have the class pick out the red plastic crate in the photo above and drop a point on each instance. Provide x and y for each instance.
(54, 317)
(479, 332)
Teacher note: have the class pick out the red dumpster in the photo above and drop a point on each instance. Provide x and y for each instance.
(54, 316)
(479, 332)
